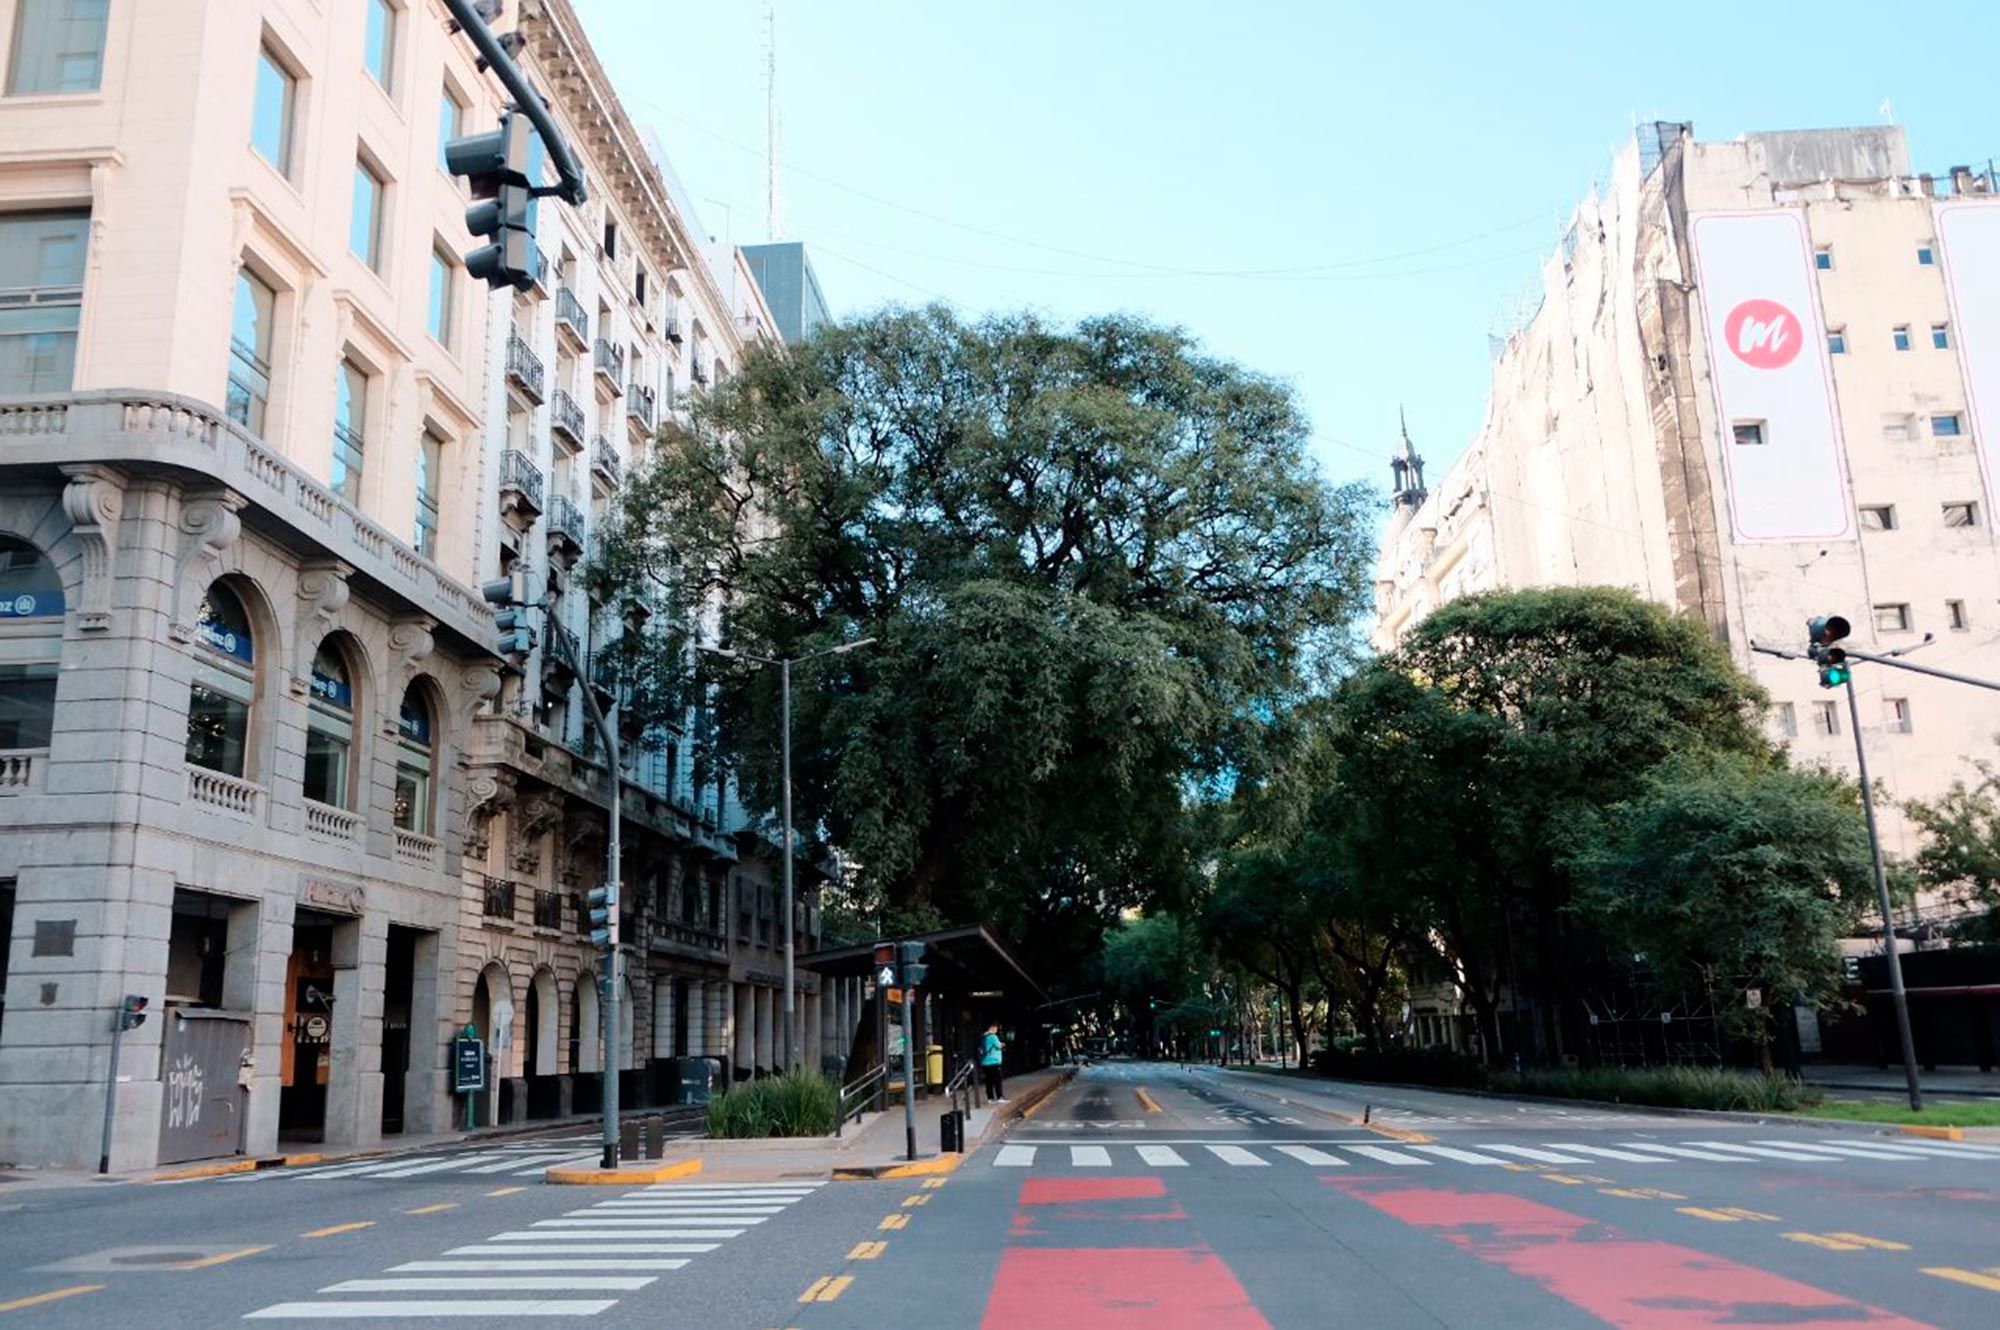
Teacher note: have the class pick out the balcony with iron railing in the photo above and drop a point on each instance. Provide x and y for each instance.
(542, 272)
(697, 372)
(524, 368)
(609, 363)
(604, 462)
(572, 320)
(671, 325)
(639, 409)
(520, 489)
(560, 652)
(499, 899)
(566, 420)
(565, 527)
(548, 909)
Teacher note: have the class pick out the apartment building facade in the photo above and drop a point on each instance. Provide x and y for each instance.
(1763, 384)
(260, 441)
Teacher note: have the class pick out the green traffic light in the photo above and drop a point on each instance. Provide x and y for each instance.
(1833, 676)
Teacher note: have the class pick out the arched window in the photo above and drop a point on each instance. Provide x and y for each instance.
(329, 729)
(31, 608)
(413, 763)
(225, 684)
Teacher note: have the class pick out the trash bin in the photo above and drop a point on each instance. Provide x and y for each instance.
(951, 1132)
(934, 1063)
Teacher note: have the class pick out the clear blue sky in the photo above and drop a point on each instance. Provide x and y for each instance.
(1084, 157)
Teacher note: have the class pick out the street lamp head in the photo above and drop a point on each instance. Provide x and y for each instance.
(853, 646)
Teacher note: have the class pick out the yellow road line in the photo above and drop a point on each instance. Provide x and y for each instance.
(1642, 1193)
(1879, 1244)
(1977, 1280)
(934, 1183)
(893, 1221)
(1146, 1100)
(1564, 1178)
(1716, 1216)
(867, 1251)
(219, 1258)
(339, 1228)
(505, 1191)
(433, 1209)
(919, 1199)
(51, 1296)
(826, 1288)
(1741, 1213)
(812, 1292)
(1825, 1240)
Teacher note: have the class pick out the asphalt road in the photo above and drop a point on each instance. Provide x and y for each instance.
(1141, 1195)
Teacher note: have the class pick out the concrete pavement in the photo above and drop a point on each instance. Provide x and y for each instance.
(1140, 1195)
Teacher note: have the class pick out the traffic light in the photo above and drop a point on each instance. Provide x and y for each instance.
(1821, 635)
(603, 908)
(509, 615)
(132, 1012)
(910, 955)
(497, 166)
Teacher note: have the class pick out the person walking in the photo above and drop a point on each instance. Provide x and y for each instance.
(990, 1054)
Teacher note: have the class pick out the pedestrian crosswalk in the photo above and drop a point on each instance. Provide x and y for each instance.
(519, 1159)
(561, 1267)
(1346, 1154)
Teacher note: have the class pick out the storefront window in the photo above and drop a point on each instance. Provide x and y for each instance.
(224, 685)
(413, 764)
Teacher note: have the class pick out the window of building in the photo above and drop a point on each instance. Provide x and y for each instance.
(250, 352)
(364, 225)
(444, 274)
(451, 124)
(378, 50)
(1826, 719)
(610, 239)
(272, 109)
(1892, 618)
(225, 684)
(1788, 720)
(1901, 336)
(1878, 517)
(30, 594)
(1836, 341)
(1955, 612)
(1945, 426)
(29, 587)
(1925, 256)
(413, 763)
(329, 729)
(1941, 336)
(1896, 715)
(1748, 433)
(27, 704)
(58, 46)
(1823, 258)
(430, 463)
(41, 274)
(639, 285)
(350, 414)
(1961, 514)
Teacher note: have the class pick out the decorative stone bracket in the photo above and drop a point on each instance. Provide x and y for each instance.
(486, 797)
(532, 819)
(322, 593)
(209, 526)
(94, 498)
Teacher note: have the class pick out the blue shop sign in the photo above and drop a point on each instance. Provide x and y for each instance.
(221, 637)
(415, 724)
(32, 604)
(334, 692)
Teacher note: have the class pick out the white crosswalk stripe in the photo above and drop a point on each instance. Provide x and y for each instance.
(558, 1267)
(1458, 1156)
(1765, 1151)
(1305, 1154)
(1162, 1156)
(1238, 1157)
(1386, 1156)
(1089, 1156)
(1685, 1152)
(1538, 1156)
(1601, 1152)
(1015, 1156)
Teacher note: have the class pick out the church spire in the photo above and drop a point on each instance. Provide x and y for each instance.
(1408, 470)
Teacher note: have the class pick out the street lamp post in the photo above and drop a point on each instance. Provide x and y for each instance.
(788, 1023)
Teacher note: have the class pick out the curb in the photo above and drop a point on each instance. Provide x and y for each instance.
(259, 1164)
(621, 1177)
(917, 1169)
(1934, 1133)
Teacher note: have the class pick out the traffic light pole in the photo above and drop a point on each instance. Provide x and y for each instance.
(570, 188)
(614, 967)
(910, 1070)
(789, 1022)
(111, 1093)
(1898, 995)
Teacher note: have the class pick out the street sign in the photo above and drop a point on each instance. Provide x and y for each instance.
(468, 1065)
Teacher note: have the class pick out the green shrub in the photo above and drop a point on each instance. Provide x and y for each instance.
(1666, 1087)
(1409, 1066)
(798, 1103)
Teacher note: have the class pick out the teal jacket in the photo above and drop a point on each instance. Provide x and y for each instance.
(989, 1050)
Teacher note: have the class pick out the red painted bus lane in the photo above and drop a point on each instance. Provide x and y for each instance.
(1632, 1283)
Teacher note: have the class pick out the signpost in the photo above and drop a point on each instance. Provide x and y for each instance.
(468, 1068)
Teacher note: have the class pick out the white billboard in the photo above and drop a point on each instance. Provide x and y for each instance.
(1782, 452)
(1968, 236)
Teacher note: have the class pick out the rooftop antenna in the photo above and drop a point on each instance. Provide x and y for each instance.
(773, 218)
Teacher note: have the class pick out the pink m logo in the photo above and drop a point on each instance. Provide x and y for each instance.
(1763, 334)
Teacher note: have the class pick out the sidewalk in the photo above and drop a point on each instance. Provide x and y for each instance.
(878, 1147)
(1952, 1082)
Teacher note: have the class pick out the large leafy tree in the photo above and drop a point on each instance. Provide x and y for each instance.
(1960, 858)
(1729, 874)
(1477, 755)
(1097, 564)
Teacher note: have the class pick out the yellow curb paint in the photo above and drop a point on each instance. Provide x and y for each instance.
(505, 1191)
(1879, 1244)
(1935, 1133)
(52, 1295)
(433, 1209)
(620, 1177)
(921, 1168)
(219, 1259)
(339, 1228)
(894, 1221)
(1987, 1282)
(204, 1171)
(300, 1160)
(1146, 1100)
(867, 1251)
(1825, 1240)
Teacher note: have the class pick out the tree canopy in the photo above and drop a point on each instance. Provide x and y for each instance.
(1097, 564)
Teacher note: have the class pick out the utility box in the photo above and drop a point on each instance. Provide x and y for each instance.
(697, 1080)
